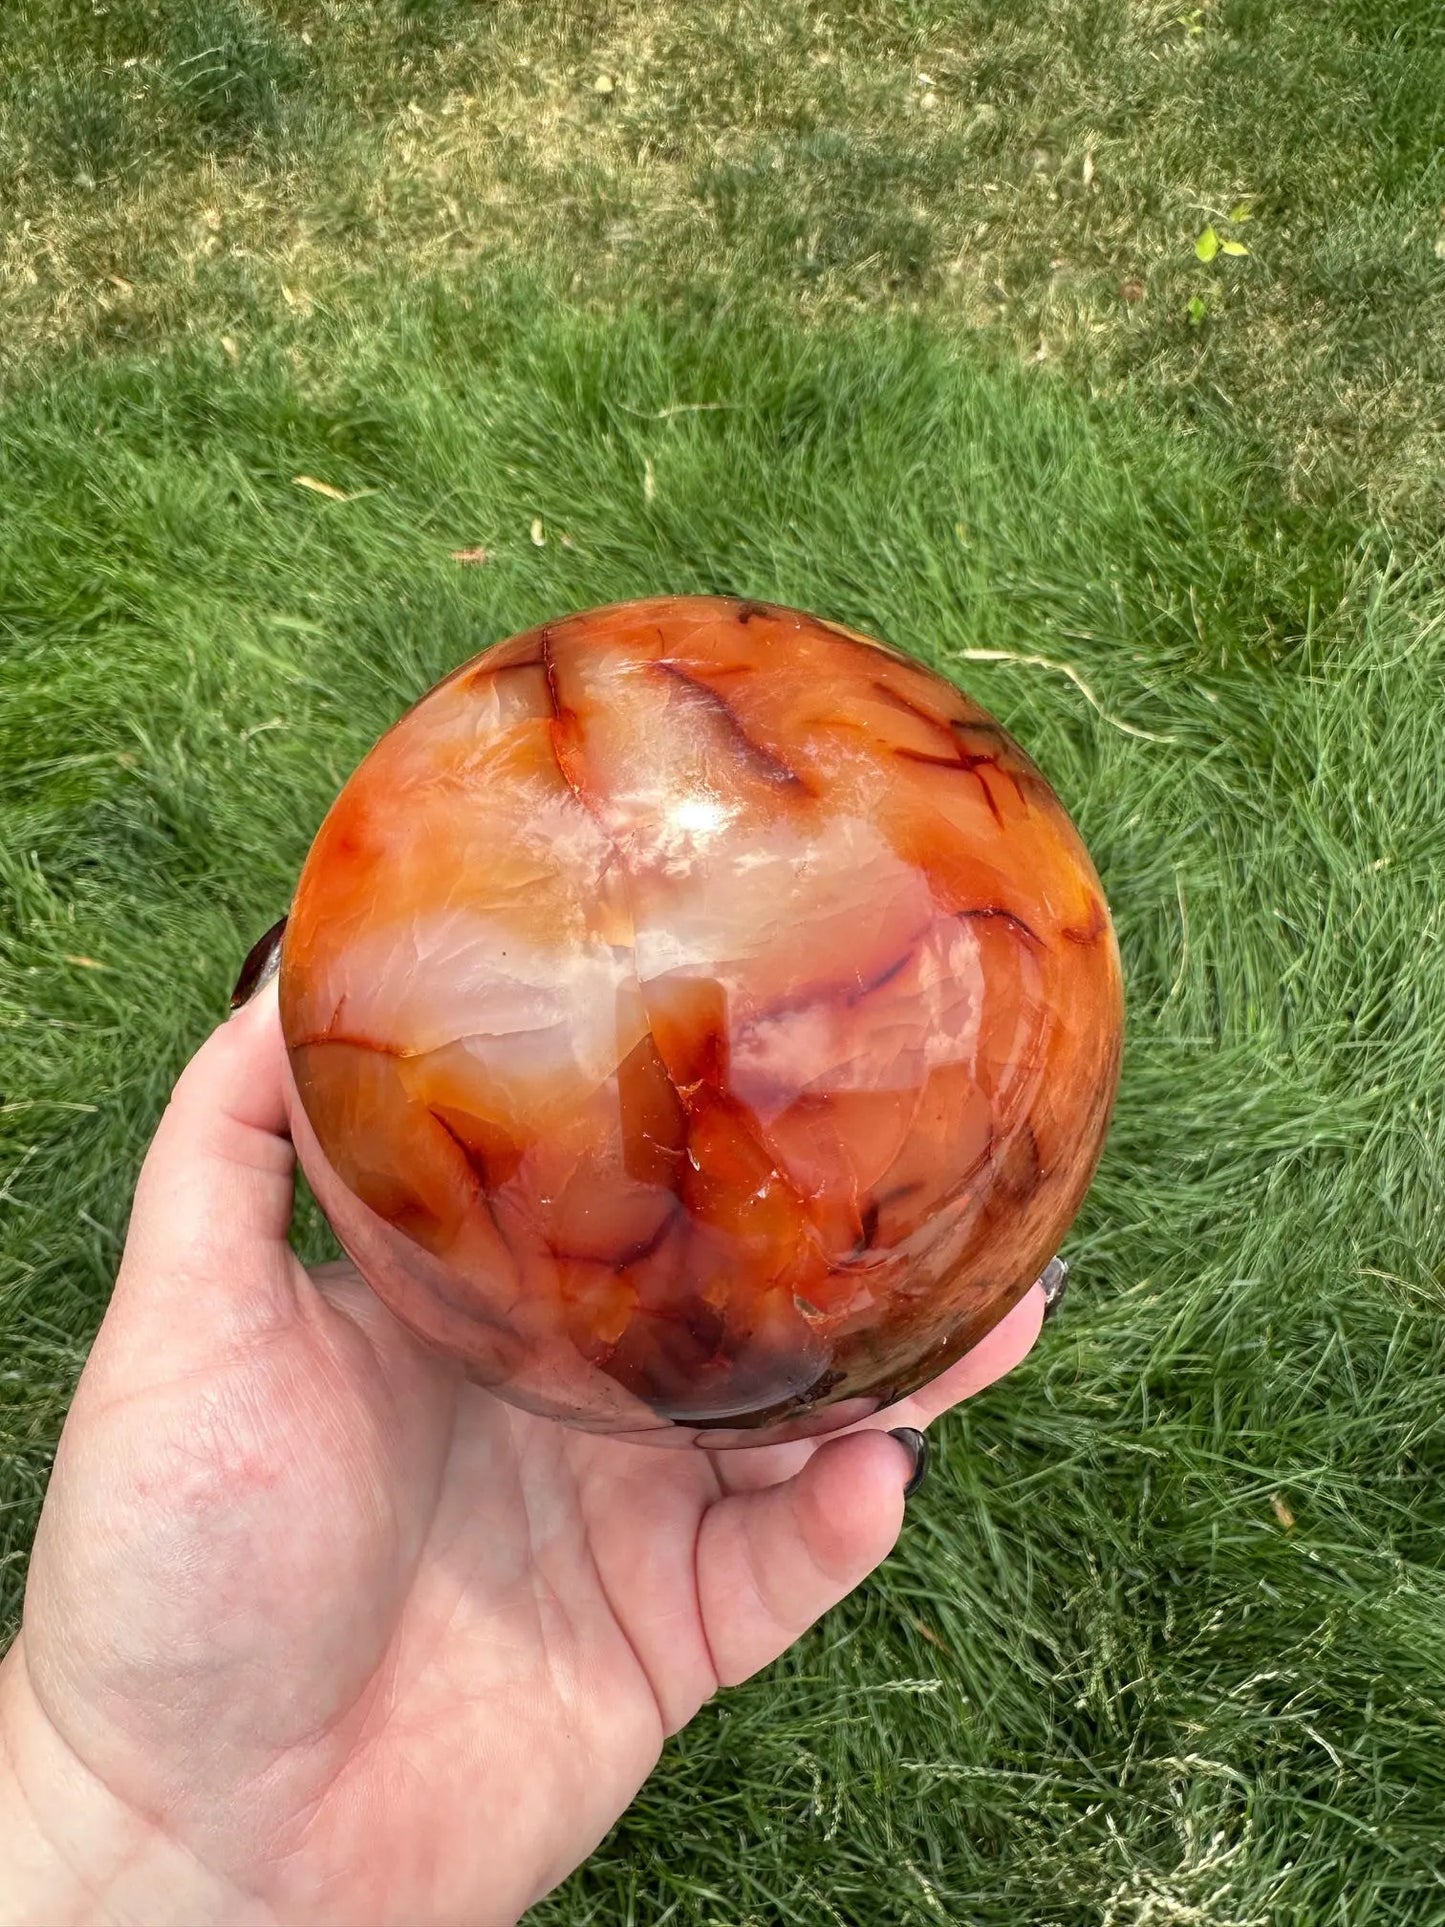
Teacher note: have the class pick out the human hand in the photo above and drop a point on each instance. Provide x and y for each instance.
(318, 1632)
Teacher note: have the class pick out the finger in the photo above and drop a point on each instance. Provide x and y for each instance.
(1006, 1346)
(992, 1358)
(214, 1200)
(770, 1562)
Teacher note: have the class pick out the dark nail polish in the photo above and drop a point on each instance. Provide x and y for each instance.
(915, 1443)
(263, 960)
(1055, 1280)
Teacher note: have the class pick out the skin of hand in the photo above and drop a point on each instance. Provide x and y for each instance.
(316, 1632)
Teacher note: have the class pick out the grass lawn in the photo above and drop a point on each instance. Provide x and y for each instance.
(896, 311)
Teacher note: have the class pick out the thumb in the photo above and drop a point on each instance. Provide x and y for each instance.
(207, 1238)
(770, 1562)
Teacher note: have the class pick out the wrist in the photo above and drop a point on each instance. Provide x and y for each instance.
(75, 1855)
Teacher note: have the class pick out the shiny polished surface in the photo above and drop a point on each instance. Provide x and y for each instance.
(701, 1017)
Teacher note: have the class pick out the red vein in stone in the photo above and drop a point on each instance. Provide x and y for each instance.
(484, 672)
(1016, 924)
(355, 1043)
(764, 762)
(549, 670)
(1092, 931)
(632, 1254)
(943, 724)
(970, 765)
(1019, 770)
(478, 1177)
(840, 995)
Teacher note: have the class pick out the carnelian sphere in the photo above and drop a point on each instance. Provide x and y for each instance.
(705, 1021)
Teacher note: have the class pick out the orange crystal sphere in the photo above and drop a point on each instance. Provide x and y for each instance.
(705, 1021)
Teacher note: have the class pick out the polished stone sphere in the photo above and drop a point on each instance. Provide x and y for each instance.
(704, 1021)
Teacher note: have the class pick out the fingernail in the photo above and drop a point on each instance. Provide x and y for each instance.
(1055, 1280)
(263, 960)
(915, 1444)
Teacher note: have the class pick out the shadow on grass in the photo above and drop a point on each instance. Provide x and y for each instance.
(135, 89)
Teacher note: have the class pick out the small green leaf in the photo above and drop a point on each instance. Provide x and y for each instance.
(1198, 309)
(1207, 246)
(1233, 247)
(1241, 211)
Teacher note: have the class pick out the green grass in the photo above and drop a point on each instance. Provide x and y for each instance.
(1164, 1641)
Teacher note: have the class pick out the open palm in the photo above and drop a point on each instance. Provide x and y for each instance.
(350, 1635)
